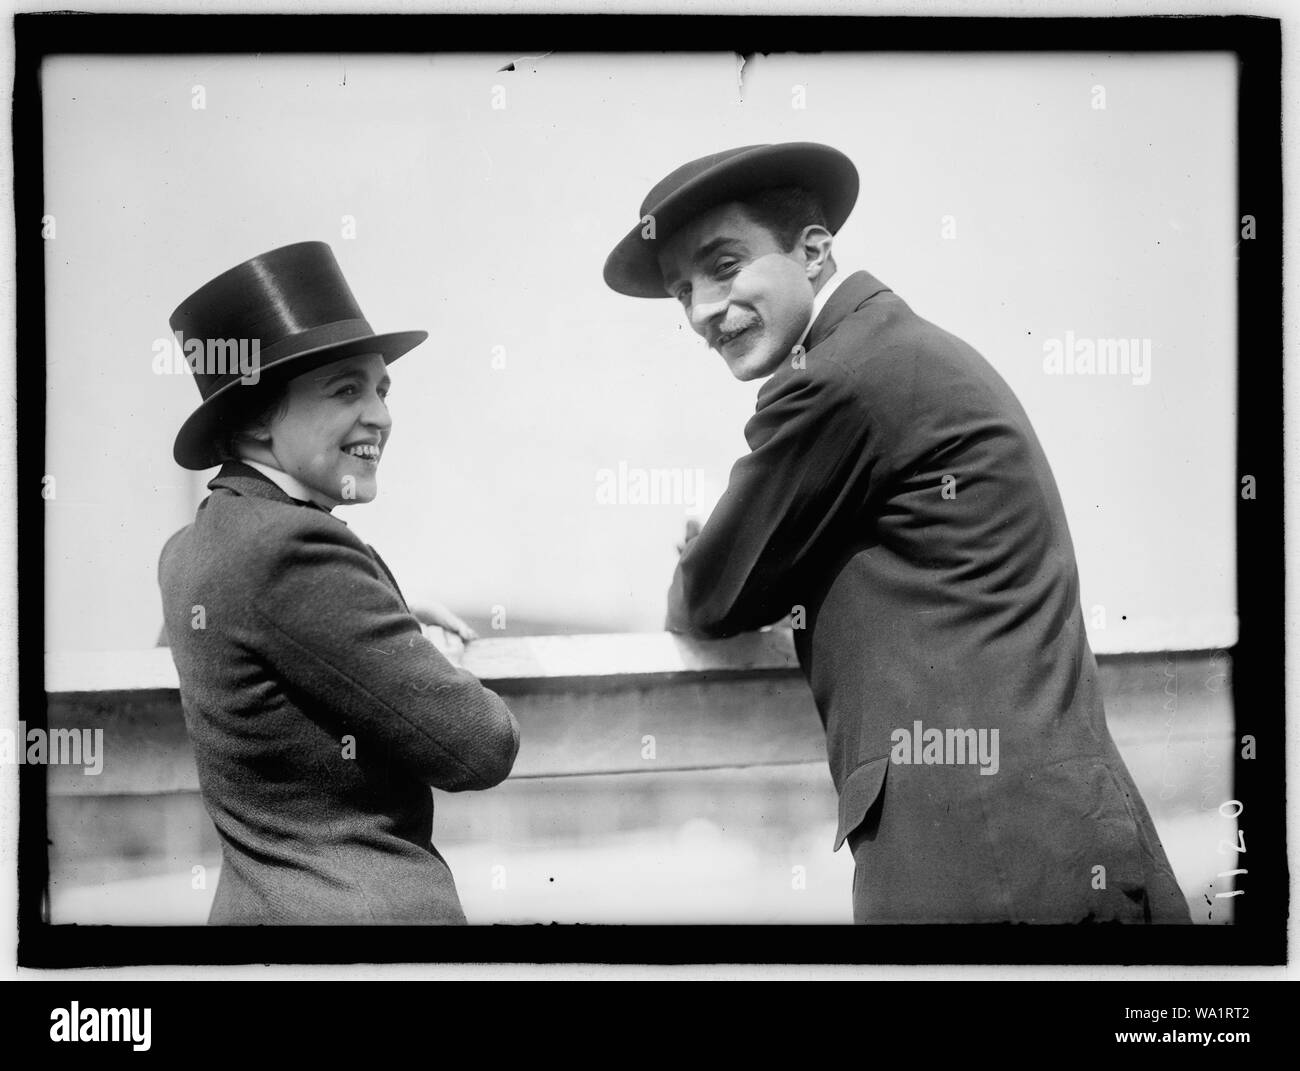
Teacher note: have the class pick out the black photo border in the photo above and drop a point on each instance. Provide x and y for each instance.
(1258, 936)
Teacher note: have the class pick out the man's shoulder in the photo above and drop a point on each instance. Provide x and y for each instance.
(880, 369)
(890, 354)
(884, 326)
(868, 357)
(807, 384)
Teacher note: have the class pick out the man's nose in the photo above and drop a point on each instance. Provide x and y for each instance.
(706, 310)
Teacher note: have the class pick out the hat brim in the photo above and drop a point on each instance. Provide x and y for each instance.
(633, 267)
(195, 446)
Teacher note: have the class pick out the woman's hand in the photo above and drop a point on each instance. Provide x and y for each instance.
(435, 613)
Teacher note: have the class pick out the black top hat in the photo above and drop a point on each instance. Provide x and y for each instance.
(295, 305)
(633, 267)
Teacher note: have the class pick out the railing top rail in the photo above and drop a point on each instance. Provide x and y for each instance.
(573, 661)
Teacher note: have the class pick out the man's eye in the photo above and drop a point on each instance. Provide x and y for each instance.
(725, 267)
(349, 389)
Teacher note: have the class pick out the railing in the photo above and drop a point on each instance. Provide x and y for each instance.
(605, 705)
(584, 704)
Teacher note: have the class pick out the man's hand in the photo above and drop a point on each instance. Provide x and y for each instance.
(692, 530)
(677, 619)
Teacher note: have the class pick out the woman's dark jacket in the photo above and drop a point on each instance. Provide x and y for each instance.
(319, 713)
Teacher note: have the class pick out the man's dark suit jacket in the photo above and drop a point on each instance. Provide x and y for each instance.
(320, 714)
(957, 610)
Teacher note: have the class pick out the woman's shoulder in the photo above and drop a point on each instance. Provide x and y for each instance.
(255, 538)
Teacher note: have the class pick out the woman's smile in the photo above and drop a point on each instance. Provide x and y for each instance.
(367, 454)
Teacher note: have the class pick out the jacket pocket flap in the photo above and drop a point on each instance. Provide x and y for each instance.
(858, 794)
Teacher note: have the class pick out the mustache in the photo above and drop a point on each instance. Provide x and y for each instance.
(734, 327)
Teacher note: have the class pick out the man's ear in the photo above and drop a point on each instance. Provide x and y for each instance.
(815, 244)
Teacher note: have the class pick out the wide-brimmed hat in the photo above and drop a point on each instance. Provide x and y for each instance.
(633, 267)
(284, 313)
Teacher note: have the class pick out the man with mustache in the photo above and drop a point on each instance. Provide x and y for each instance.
(897, 506)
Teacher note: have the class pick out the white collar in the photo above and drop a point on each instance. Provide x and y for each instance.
(819, 300)
(290, 485)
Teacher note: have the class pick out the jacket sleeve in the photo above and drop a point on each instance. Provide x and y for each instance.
(805, 486)
(338, 634)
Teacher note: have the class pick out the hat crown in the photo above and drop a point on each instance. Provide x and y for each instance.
(271, 298)
(686, 172)
(720, 178)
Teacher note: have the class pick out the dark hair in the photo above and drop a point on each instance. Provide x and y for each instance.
(785, 211)
(269, 402)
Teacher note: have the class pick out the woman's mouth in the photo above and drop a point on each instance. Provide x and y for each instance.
(366, 453)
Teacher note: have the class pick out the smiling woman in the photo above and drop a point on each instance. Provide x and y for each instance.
(319, 713)
(327, 430)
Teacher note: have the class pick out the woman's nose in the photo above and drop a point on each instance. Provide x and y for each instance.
(376, 413)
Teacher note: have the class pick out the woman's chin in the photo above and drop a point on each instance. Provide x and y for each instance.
(351, 489)
(363, 492)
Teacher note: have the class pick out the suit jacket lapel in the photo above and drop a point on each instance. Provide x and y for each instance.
(853, 293)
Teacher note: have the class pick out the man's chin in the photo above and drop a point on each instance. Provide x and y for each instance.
(751, 366)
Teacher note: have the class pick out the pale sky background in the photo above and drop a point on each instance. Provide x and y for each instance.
(489, 227)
